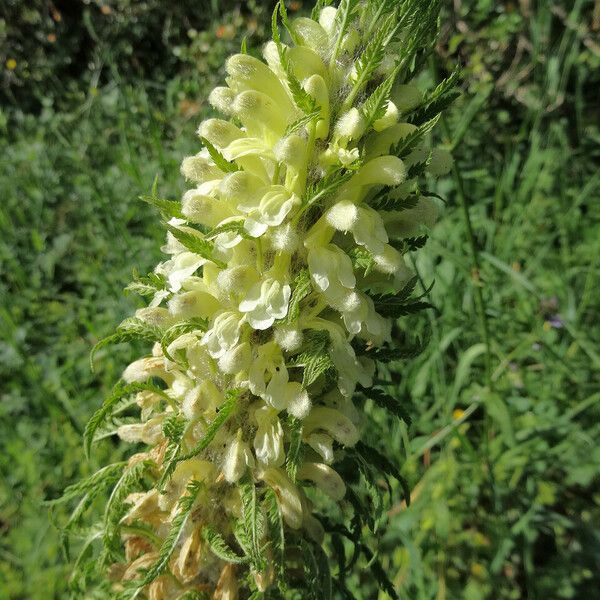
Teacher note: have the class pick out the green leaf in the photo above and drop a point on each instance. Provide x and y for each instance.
(233, 226)
(326, 187)
(344, 16)
(116, 507)
(316, 570)
(224, 412)
(409, 142)
(315, 357)
(393, 310)
(377, 460)
(362, 259)
(384, 201)
(130, 329)
(390, 354)
(276, 531)
(173, 429)
(438, 100)
(184, 509)
(220, 548)
(195, 243)
(371, 58)
(372, 508)
(101, 479)
(147, 285)
(253, 521)
(301, 288)
(220, 161)
(398, 305)
(375, 106)
(176, 331)
(112, 404)
(169, 208)
(303, 100)
(303, 121)
(379, 573)
(417, 169)
(387, 402)
(405, 245)
(294, 454)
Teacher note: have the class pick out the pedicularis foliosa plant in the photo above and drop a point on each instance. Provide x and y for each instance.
(270, 318)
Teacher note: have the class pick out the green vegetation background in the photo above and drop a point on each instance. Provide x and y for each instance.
(97, 98)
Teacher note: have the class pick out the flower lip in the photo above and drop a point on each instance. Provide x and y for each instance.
(265, 302)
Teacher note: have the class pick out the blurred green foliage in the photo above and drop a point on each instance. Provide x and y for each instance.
(504, 461)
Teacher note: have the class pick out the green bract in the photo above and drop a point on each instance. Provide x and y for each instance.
(285, 274)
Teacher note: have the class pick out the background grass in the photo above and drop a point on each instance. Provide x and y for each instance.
(504, 452)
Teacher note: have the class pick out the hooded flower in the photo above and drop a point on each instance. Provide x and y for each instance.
(272, 305)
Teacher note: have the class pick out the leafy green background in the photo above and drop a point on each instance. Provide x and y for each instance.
(97, 98)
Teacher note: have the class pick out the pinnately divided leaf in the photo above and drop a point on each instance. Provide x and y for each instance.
(438, 100)
(130, 329)
(225, 411)
(294, 454)
(116, 507)
(409, 142)
(184, 509)
(220, 161)
(383, 465)
(120, 391)
(219, 546)
(179, 329)
(94, 483)
(195, 243)
(304, 101)
(302, 288)
(399, 305)
(252, 520)
(315, 358)
(375, 105)
(385, 201)
(147, 285)
(276, 530)
(387, 402)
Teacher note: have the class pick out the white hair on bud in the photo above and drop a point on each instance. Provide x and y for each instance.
(200, 168)
(300, 406)
(342, 216)
(236, 360)
(236, 279)
(239, 184)
(289, 338)
(285, 238)
(389, 261)
(222, 99)
(327, 18)
(290, 150)
(352, 301)
(219, 132)
(350, 125)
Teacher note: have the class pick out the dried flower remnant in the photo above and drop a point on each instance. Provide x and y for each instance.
(285, 274)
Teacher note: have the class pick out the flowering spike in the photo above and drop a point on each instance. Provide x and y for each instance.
(284, 276)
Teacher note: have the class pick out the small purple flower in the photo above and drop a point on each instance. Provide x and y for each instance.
(556, 322)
